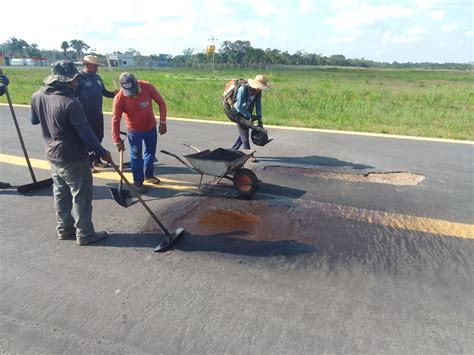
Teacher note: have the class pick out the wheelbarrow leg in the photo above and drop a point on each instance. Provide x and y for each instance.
(200, 181)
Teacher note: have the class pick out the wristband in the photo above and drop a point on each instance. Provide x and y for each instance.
(163, 123)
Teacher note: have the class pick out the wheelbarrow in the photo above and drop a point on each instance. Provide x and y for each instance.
(222, 164)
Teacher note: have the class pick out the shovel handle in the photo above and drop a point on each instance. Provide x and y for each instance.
(121, 168)
(22, 143)
(135, 192)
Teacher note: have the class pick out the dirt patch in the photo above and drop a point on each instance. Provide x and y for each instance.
(399, 178)
(228, 220)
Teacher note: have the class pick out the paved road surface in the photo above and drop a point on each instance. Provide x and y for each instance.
(319, 261)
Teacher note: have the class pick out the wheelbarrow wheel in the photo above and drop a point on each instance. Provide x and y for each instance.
(245, 181)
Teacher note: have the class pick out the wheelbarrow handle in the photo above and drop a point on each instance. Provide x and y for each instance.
(190, 146)
(181, 160)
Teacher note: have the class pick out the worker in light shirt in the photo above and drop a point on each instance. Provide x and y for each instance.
(134, 101)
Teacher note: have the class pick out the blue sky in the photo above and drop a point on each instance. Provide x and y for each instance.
(404, 31)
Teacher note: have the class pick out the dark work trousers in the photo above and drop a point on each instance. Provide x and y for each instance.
(97, 124)
(243, 139)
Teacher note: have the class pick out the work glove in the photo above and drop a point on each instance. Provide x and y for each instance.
(3, 84)
(107, 157)
(259, 119)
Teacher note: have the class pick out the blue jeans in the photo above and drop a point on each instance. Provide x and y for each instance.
(72, 191)
(138, 159)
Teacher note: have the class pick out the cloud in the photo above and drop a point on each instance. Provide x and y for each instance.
(263, 8)
(368, 15)
(450, 27)
(437, 15)
(411, 35)
(106, 28)
(424, 4)
(217, 7)
(469, 34)
(338, 5)
(343, 39)
(306, 6)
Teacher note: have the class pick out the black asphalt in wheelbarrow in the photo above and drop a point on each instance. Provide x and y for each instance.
(222, 164)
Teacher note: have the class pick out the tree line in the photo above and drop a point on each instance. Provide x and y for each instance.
(239, 53)
(19, 48)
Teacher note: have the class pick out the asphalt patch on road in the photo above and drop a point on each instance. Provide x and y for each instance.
(312, 235)
(398, 178)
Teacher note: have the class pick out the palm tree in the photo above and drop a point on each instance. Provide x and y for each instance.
(65, 46)
(78, 46)
(17, 46)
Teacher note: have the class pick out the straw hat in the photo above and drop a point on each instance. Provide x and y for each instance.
(260, 82)
(91, 59)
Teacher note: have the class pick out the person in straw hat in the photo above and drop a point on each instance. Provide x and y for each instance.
(90, 91)
(67, 137)
(247, 98)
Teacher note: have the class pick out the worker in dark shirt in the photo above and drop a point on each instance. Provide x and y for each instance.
(89, 92)
(68, 138)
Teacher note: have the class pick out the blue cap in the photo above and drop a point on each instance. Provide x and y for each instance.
(129, 84)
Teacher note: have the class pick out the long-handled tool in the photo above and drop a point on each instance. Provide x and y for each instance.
(110, 68)
(121, 196)
(35, 185)
(170, 238)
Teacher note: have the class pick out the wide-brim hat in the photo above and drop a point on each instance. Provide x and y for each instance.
(63, 71)
(260, 82)
(91, 59)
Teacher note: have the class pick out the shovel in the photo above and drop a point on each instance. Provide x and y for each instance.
(35, 185)
(121, 196)
(170, 238)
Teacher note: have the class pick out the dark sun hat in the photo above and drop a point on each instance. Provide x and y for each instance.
(63, 71)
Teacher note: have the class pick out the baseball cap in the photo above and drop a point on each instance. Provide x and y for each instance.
(129, 84)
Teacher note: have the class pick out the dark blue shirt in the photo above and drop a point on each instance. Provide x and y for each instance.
(90, 91)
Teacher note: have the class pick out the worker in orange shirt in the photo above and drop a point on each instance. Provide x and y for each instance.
(135, 101)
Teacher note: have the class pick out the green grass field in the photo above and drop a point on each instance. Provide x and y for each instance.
(407, 102)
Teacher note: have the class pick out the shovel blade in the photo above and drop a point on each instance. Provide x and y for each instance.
(34, 186)
(122, 197)
(170, 240)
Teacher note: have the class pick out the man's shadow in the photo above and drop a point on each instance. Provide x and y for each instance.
(224, 243)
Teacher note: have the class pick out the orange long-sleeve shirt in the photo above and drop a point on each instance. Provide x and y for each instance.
(138, 110)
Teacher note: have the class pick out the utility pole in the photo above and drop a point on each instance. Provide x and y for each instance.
(211, 49)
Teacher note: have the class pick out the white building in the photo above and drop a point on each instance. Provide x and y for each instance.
(29, 62)
(121, 60)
